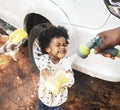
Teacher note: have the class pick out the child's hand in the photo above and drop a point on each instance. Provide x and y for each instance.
(60, 80)
(66, 78)
(55, 83)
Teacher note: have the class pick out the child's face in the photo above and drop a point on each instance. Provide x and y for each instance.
(57, 48)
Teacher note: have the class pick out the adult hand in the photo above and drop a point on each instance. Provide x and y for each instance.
(110, 38)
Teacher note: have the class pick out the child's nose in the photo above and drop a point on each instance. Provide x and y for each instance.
(62, 46)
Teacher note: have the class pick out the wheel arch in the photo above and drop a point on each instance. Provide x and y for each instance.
(33, 19)
(49, 12)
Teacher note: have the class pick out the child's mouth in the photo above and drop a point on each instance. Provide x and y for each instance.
(62, 52)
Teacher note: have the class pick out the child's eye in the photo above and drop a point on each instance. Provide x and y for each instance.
(65, 45)
(57, 45)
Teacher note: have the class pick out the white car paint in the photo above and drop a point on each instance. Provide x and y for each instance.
(83, 18)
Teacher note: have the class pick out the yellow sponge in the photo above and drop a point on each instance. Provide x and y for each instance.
(54, 84)
(17, 36)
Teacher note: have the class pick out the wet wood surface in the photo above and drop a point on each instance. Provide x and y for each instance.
(19, 85)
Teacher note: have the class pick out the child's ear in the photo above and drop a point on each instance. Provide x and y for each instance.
(48, 50)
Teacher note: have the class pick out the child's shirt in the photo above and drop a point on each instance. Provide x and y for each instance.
(46, 96)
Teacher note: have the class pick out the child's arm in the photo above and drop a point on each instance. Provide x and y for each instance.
(68, 72)
(70, 75)
(43, 67)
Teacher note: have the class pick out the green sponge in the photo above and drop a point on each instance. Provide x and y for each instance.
(83, 51)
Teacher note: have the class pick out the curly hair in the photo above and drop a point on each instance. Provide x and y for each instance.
(50, 33)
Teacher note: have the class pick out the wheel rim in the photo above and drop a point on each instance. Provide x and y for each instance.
(36, 52)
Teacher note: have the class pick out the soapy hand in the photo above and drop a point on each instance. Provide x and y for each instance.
(55, 83)
(14, 41)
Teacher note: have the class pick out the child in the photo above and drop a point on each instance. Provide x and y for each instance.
(55, 69)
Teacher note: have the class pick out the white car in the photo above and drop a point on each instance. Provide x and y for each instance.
(83, 20)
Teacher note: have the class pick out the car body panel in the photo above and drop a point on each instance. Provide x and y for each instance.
(83, 19)
(86, 13)
(77, 12)
(16, 17)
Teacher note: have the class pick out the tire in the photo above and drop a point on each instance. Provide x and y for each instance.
(33, 45)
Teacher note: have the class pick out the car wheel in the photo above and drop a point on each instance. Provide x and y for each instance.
(33, 45)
